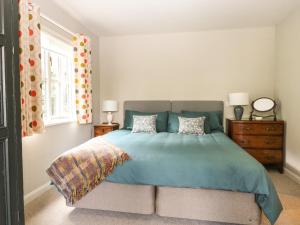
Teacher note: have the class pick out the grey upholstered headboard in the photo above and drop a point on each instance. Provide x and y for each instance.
(148, 106)
(197, 106)
(174, 106)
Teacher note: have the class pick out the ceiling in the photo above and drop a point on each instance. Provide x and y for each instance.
(122, 17)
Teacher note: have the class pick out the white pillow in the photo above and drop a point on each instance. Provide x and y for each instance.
(145, 124)
(191, 125)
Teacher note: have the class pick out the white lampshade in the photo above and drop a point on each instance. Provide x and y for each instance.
(110, 106)
(239, 98)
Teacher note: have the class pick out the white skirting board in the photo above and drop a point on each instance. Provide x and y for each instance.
(36, 193)
(292, 173)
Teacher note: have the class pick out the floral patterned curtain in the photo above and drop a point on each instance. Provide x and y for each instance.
(83, 86)
(30, 68)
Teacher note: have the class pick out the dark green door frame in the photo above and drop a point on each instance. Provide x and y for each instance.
(11, 179)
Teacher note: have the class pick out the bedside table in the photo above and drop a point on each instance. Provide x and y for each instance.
(104, 128)
(264, 140)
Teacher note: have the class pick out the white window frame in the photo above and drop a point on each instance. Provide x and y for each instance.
(46, 52)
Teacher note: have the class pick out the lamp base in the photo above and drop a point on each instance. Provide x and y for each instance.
(109, 118)
(238, 112)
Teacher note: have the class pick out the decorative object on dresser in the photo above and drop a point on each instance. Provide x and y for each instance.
(110, 106)
(105, 128)
(263, 105)
(238, 100)
(263, 139)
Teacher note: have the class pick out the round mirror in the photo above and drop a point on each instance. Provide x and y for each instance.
(263, 104)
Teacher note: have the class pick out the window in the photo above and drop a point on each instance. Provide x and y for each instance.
(58, 80)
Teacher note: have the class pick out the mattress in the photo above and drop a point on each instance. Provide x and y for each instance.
(211, 161)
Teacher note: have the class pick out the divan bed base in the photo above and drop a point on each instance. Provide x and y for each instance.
(208, 205)
(121, 198)
(200, 204)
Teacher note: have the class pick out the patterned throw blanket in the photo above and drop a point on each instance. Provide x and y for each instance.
(79, 170)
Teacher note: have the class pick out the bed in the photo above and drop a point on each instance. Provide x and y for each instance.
(185, 176)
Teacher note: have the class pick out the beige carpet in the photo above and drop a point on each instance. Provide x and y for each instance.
(50, 209)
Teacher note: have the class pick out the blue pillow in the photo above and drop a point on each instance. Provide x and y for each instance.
(161, 121)
(173, 121)
(214, 119)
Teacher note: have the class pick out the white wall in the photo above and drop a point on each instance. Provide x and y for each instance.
(187, 66)
(39, 150)
(288, 82)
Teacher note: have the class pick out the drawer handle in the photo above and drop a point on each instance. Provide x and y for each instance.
(244, 142)
(268, 142)
(270, 128)
(269, 158)
(247, 128)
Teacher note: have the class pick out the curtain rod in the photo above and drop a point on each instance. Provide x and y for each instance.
(57, 24)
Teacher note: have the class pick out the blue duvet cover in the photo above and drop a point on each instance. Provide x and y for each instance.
(211, 161)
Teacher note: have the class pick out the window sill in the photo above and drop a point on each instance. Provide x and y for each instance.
(59, 122)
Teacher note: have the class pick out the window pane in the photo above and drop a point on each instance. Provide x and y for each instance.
(54, 85)
(58, 86)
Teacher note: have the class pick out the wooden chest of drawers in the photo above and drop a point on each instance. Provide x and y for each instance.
(104, 128)
(264, 140)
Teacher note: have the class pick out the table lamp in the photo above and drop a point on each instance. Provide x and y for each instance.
(110, 106)
(238, 100)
